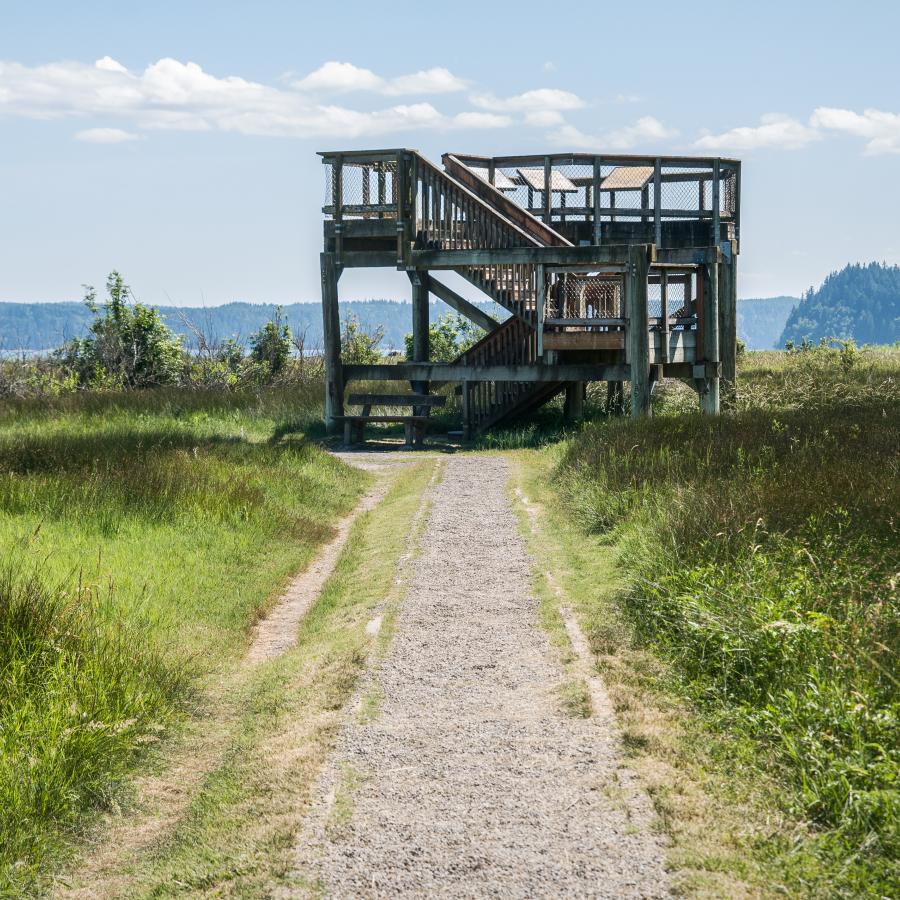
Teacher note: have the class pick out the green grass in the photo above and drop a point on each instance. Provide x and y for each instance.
(238, 834)
(759, 553)
(143, 534)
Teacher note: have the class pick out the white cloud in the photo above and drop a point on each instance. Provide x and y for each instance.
(429, 81)
(173, 95)
(544, 118)
(549, 66)
(644, 130)
(337, 77)
(343, 77)
(774, 130)
(880, 129)
(106, 136)
(481, 120)
(538, 100)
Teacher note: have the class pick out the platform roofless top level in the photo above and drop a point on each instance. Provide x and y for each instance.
(613, 268)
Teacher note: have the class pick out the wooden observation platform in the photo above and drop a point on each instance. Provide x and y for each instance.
(612, 268)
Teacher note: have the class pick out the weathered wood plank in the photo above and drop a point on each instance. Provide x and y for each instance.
(584, 340)
(461, 305)
(396, 400)
(516, 372)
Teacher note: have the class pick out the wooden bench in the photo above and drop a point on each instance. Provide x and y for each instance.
(414, 426)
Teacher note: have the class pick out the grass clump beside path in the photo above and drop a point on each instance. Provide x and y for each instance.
(760, 555)
(142, 535)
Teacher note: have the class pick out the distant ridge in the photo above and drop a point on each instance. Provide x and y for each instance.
(761, 321)
(36, 327)
(860, 302)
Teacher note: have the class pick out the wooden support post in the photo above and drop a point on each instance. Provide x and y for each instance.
(548, 191)
(421, 344)
(331, 328)
(717, 231)
(419, 279)
(664, 315)
(574, 405)
(540, 310)
(657, 203)
(728, 326)
(637, 338)
(709, 388)
(466, 411)
(598, 209)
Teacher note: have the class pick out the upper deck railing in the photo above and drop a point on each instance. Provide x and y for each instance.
(556, 198)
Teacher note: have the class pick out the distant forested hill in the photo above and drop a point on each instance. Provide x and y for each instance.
(760, 322)
(34, 327)
(860, 302)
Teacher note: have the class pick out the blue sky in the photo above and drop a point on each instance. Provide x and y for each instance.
(176, 141)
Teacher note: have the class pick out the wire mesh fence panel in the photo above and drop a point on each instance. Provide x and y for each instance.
(580, 296)
(573, 198)
(654, 297)
(367, 188)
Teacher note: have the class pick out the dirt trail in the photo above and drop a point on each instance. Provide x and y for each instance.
(469, 780)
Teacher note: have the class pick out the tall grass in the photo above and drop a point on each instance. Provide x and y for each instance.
(144, 534)
(761, 549)
(79, 697)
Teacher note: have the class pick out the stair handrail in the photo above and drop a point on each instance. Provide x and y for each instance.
(421, 163)
(511, 210)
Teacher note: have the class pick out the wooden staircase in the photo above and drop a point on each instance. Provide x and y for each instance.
(460, 210)
(488, 403)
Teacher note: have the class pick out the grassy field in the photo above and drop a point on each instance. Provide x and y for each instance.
(141, 535)
(756, 558)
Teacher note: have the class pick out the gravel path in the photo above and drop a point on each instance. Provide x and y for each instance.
(470, 781)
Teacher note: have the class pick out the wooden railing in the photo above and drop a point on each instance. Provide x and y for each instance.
(513, 285)
(559, 188)
(448, 216)
(513, 343)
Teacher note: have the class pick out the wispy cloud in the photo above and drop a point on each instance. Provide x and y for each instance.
(881, 131)
(644, 131)
(539, 100)
(774, 130)
(106, 136)
(343, 77)
(174, 95)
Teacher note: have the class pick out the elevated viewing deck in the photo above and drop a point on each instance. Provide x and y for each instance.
(612, 268)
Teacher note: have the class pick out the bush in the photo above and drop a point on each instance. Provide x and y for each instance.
(270, 347)
(359, 345)
(128, 346)
(447, 338)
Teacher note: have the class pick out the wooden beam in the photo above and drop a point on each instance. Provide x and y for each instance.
(461, 305)
(560, 256)
(708, 352)
(458, 372)
(637, 346)
(728, 327)
(419, 280)
(584, 340)
(331, 329)
(396, 400)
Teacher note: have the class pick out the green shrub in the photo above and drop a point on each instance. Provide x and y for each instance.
(128, 345)
(447, 338)
(270, 347)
